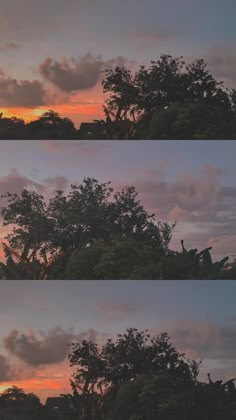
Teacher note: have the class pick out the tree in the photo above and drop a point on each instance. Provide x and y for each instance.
(172, 100)
(51, 125)
(90, 212)
(111, 372)
(192, 265)
(132, 354)
(119, 258)
(18, 401)
(151, 397)
(167, 397)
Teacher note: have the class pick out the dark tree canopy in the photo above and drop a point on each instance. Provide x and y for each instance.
(172, 100)
(139, 377)
(92, 232)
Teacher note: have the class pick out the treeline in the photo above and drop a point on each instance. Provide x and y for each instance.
(93, 232)
(135, 377)
(168, 100)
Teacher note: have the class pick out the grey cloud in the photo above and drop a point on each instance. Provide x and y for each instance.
(4, 368)
(75, 148)
(49, 348)
(9, 46)
(9, 371)
(23, 93)
(57, 183)
(205, 340)
(152, 38)
(15, 183)
(222, 62)
(212, 170)
(77, 74)
(123, 308)
(199, 197)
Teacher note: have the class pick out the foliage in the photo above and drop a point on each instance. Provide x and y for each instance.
(139, 377)
(48, 126)
(192, 265)
(17, 401)
(172, 100)
(90, 212)
(167, 397)
(93, 232)
(132, 354)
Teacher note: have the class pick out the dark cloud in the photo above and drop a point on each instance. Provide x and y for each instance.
(23, 93)
(77, 74)
(49, 348)
(9, 371)
(4, 369)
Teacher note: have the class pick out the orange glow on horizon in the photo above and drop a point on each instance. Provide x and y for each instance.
(84, 106)
(76, 112)
(42, 387)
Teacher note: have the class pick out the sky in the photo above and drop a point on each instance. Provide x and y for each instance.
(40, 319)
(191, 182)
(53, 52)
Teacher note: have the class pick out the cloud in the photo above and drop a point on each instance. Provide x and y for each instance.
(119, 308)
(57, 183)
(15, 183)
(49, 348)
(225, 245)
(193, 198)
(212, 170)
(204, 339)
(152, 38)
(78, 148)
(77, 74)
(9, 46)
(222, 62)
(4, 368)
(9, 371)
(23, 93)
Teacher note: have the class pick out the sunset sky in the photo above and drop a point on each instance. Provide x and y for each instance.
(39, 320)
(191, 182)
(53, 52)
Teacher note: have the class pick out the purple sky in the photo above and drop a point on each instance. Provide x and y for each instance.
(52, 53)
(191, 182)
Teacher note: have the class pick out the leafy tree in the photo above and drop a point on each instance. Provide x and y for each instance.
(91, 211)
(138, 377)
(192, 265)
(172, 100)
(150, 397)
(51, 125)
(132, 354)
(107, 370)
(167, 397)
(19, 402)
